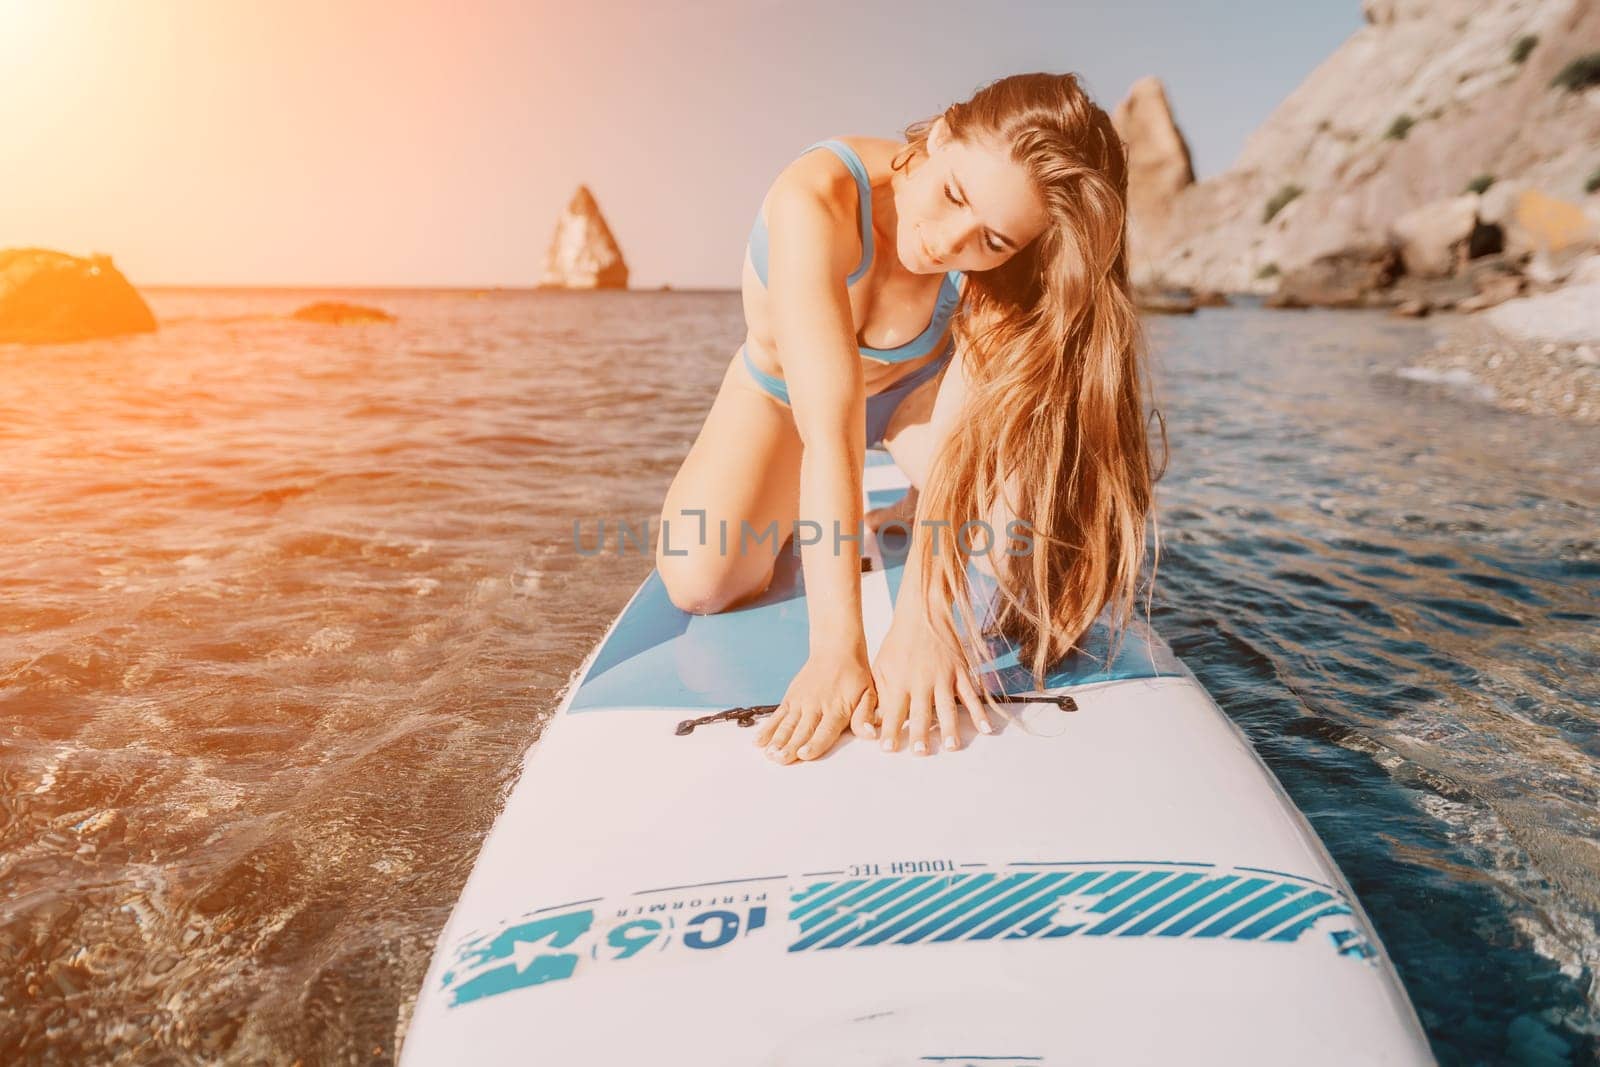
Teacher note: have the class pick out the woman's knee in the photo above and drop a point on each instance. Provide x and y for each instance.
(701, 587)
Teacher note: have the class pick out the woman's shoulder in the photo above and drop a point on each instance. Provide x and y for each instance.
(821, 176)
(818, 174)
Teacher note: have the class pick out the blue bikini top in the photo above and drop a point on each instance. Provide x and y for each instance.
(949, 289)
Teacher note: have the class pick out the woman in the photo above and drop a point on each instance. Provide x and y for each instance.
(963, 296)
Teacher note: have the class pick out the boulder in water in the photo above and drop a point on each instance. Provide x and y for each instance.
(48, 297)
(334, 313)
(1355, 277)
(583, 253)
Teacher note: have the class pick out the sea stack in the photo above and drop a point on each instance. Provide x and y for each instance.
(48, 297)
(1159, 166)
(583, 253)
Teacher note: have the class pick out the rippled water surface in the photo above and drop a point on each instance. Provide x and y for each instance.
(284, 604)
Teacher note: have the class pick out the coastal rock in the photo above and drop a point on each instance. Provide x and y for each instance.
(1493, 289)
(1158, 302)
(1433, 239)
(1418, 103)
(1355, 277)
(334, 313)
(48, 297)
(1535, 223)
(1159, 166)
(583, 253)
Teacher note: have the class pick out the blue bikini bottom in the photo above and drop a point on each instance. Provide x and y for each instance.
(880, 406)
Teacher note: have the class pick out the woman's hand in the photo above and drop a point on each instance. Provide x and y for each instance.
(915, 672)
(830, 691)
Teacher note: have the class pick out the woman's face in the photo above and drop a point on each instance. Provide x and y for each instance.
(966, 207)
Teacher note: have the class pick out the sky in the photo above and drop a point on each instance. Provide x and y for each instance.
(400, 143)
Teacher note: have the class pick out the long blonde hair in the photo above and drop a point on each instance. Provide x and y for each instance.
(1055, 365)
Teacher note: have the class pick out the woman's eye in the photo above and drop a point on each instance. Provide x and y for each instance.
(988, 241)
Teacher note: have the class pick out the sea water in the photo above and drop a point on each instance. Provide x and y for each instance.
(284, 604)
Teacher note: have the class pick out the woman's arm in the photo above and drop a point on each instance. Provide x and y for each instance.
(917, 678)
(948, 405)
(815, 336)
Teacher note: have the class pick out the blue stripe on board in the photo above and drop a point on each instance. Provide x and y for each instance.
(1114, 900)
(1030, 887)
(1283, 914)
(1041, 923)
(1143, 904)
(981, 907)
(870, 888)
(1252, 907)
(860, 921)
(808, 892)
(836, 890)
(1212, 906)
(938, 921)
(1129, 901)
(1031, 908)
(1109, 882)
(893, 911)
(1193, 896)
(1294, 930)
(962, 885)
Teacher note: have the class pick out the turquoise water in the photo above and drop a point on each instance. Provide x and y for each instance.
(284, 605)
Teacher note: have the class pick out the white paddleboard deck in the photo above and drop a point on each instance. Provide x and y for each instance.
(1123, 883)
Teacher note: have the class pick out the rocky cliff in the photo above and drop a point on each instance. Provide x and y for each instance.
(1431, 100)
(583, 253)
(48, 297)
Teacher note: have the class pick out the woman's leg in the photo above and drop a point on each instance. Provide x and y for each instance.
(911, 442)
(744, 467)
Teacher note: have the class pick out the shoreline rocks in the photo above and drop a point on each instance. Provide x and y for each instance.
(49, 297)
(1533, 378)
(1568, 315)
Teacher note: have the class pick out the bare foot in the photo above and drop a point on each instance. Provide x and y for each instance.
(902, 510)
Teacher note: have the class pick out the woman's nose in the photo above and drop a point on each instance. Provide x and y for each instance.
(950, 241)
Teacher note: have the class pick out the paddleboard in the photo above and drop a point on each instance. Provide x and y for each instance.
(1113, 877)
